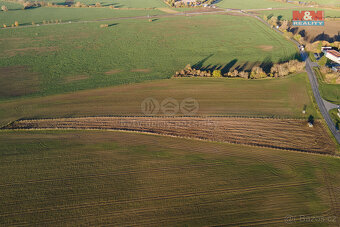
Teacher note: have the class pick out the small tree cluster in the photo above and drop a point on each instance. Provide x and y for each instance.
(28, 5)
(284, 69)
(257, 73)
(217, 73)
(4, 8)
(277, 70)
(190, 72)
(284, 25)
(273, 21)
(325, 70)
(79, 5)
(236, 73)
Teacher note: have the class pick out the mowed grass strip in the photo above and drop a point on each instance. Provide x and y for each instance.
(285, 98)
(274, 133)
(161, 47)
(131, 179)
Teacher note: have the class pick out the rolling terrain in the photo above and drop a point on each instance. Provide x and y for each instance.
(116, 178)
(71, 57)
(76, 148)
(279, 98)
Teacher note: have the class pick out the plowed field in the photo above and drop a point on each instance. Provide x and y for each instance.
(275, 133)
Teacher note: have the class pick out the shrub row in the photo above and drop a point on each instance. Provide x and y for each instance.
(277, 70)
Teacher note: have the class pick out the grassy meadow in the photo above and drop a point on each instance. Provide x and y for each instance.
(121, 3)
(65, 15)
(251, 4)
(97, 178)
(335, 117)
(10, 6)
(330, 92)
(328, 2)
(287, 14)
(284, 97)
(71, 57)
(121, 178)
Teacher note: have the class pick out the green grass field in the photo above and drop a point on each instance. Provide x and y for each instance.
(335, 117)
(328, 2)
(251, 4)
(330, 92)
(98, 178)
(287, 14)
(273, 97)
(116, 3)
(10, 5)
(38, 15)
(81, 56)
(121, 3)
(116, 178)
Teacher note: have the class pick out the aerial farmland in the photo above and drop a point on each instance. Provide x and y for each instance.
(169, 113)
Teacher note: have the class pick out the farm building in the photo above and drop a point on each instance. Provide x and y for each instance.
(332, 55)
(325, 48)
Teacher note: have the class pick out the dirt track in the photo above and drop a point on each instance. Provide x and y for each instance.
(276, 133)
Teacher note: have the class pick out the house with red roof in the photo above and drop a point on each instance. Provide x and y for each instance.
(332, 55)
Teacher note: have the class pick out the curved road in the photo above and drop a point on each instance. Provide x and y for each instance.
(319, 100)
(324, 106)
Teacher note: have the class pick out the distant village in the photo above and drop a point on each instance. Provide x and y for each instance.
(189, 3)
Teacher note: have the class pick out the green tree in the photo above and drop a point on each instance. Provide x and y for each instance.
(217, 73)
(323, 61)
(4, 8)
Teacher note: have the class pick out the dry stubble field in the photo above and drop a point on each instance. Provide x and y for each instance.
(275, 133)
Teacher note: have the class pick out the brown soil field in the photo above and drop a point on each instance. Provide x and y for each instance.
(274, 133)
(110, 178)
(17, 81)
(266, 48)
(113, 71)
(330, 32)
(22, 51)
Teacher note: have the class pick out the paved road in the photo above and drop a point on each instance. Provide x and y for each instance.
(319, 100)
(324, 106)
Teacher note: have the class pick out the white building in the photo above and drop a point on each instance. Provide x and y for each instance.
(332, 55)
(325, 48)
